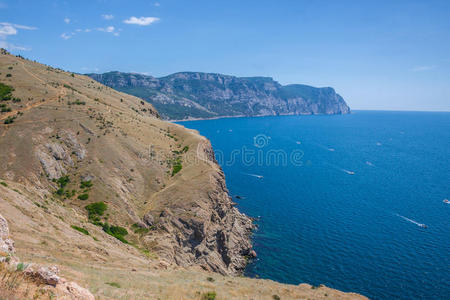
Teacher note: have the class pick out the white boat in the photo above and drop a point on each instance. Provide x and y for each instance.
(446, 201)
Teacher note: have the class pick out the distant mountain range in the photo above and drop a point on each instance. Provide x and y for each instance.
(188, 95)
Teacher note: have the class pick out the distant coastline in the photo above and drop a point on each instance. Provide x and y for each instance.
(255, 116)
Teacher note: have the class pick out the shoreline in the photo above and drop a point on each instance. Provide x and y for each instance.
(255, 116)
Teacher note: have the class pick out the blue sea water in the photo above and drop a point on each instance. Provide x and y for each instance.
(318, 223)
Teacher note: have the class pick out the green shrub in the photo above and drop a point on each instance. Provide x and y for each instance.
(9, 120)
(176, 168)
(60, 192)
(83, 196)
(4, 184)
(96, 209)
(82, 230)
(115, 231)
(276, 297)
(86, 184)
(210, 279)
(114, 284)
(5, 92)
(139, 230)
(21, 267)
(209, 296)
(77, 102)
(63, 181)
(8, 75)
(6, 109)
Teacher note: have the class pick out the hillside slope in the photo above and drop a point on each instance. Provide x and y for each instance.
(187, 95)
(124, 203)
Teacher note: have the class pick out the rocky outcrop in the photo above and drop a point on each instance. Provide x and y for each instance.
(36, 275)
(207, 230)
(205, 95)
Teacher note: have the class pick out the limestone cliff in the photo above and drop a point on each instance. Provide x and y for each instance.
(187, 95)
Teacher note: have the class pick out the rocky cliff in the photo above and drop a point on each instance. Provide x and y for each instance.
(206, 95)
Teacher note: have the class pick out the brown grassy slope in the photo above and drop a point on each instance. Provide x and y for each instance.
(67, 124)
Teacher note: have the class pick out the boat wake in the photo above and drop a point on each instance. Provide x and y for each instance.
(412, 221)
(340, 169)
(370, 164)
(254, 175)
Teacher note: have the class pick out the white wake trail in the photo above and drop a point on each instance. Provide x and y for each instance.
(412, 221)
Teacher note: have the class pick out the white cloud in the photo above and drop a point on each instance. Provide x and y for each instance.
(8, 29)
(67, 36)
(108, 17)
(66, 20)
(423, 68)
(142, 21)
(11, 47)
(109, 29)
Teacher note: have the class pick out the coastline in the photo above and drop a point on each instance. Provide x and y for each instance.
(251, 116)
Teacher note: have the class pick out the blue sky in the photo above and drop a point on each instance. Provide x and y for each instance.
(377, 54)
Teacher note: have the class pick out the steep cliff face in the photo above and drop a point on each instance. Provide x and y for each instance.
(205, 95)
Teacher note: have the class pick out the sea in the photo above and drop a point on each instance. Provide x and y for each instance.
(355, 202)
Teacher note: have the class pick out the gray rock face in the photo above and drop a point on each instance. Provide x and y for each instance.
(204, 95)
(6, 244)
(208, 231)
(56, 157)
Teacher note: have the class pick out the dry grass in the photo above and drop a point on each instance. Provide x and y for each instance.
(15, 285)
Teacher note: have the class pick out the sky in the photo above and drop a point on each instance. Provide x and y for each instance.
(383, 55)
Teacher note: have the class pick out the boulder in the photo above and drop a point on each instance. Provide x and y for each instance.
(149, 219)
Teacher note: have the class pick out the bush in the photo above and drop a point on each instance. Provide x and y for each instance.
(86, 184)
(209, 296)
(83, 196)
(138, 229)
(114, 284)
(82, 230)
(63, 181)
(6, 109)
(9, 120)
(8, 75)
(96, 209)
(4, 184)
(116, 231)
(276, 297)
(176, 168)
(5, 92)
(21, 267)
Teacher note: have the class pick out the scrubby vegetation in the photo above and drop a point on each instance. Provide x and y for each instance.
(139, 230)
(77, 102)
(116, 231)
(114, 284)
(95, 211)
(4, 184)
(80, 229)
(84, 196)
(9, 120)
(209, 296)
(86, 184)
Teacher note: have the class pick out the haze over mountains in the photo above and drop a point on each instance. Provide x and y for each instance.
(187, 95)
